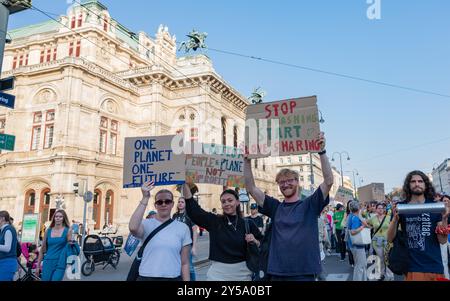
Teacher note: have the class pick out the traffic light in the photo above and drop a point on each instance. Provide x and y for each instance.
(79, 188)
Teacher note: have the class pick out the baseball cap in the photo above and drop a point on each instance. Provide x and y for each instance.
(253, 206)
(396, 199)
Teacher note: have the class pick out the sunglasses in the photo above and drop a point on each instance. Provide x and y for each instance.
(165, 202)
(289, 182)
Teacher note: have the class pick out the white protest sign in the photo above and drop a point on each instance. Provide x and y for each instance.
(152, 159)
(30, 227)
(281, 128)
(216, 164)
(343, 195)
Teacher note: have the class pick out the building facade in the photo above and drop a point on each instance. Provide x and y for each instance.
(441, 177)
(310, 181)
(82, 86)
(371, 192)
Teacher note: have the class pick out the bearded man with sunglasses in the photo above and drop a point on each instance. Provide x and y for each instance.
(166, 256)
(294, 253)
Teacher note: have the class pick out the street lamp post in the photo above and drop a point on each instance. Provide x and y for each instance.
(340, 162)
(355, 185)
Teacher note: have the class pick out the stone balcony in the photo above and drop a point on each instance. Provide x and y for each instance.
(78, 62)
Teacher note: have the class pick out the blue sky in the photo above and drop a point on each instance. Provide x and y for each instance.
(387, 132)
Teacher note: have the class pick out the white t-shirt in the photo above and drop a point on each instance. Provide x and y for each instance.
(162, 255)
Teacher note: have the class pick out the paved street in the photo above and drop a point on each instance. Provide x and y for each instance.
(334, 269)
(120, 274)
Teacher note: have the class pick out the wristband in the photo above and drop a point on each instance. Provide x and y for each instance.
(323, 152)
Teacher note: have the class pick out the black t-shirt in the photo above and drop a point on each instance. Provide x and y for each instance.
(258, 220)
(184, 218)
(294, 246)
(226, 234)
(423, 244)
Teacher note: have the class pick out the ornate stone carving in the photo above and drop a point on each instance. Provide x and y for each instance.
(45, 96)
(111, 106)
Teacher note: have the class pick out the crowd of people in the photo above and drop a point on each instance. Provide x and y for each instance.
(292, 246)
(427, 234)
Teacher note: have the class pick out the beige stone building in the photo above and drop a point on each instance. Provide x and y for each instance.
(82, 87)
(371, 192)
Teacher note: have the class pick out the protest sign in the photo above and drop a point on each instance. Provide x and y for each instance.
(282, 128)
(216, 164)
(343, 195)
(30, 227)
(152, 159)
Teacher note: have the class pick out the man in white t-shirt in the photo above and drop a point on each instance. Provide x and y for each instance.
(166, 256)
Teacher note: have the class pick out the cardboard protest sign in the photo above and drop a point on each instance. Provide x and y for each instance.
(30, 228)
(216, 164)
(152, 159)
(281, 128)
(343, 195)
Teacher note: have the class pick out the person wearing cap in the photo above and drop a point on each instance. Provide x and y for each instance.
(294, 247)
(151, 214)
(228, 237)
(256, 218)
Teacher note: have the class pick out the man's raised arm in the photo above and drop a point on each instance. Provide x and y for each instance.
(326, 168)
(250, 185)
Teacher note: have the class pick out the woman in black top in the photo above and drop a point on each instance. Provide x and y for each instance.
(227, 237)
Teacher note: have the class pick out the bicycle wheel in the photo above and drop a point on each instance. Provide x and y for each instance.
(88, 268)
(115, 257)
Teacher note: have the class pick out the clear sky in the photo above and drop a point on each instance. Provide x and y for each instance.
(387, 131)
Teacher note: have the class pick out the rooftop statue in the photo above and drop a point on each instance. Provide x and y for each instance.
(196, 41)
(257, 96)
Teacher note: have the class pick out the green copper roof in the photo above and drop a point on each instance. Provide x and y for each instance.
(90, 3)
(51, 25)
(34, 29)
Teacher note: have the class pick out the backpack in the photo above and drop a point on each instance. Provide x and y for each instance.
(18, 249)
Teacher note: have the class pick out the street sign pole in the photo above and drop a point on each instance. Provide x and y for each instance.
(87, 197)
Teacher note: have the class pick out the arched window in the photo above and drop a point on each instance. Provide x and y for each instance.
(224, 131)
(44, 205)
(30, 201)
(96, 208)
(109, 207)
(235, 136)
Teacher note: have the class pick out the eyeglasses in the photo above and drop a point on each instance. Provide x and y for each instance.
(289, 182)
(165, 202)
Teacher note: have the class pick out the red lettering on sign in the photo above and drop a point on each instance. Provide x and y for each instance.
(293, 104)
(285, 108)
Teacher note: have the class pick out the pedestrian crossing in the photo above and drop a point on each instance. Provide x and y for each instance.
(337, 277)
